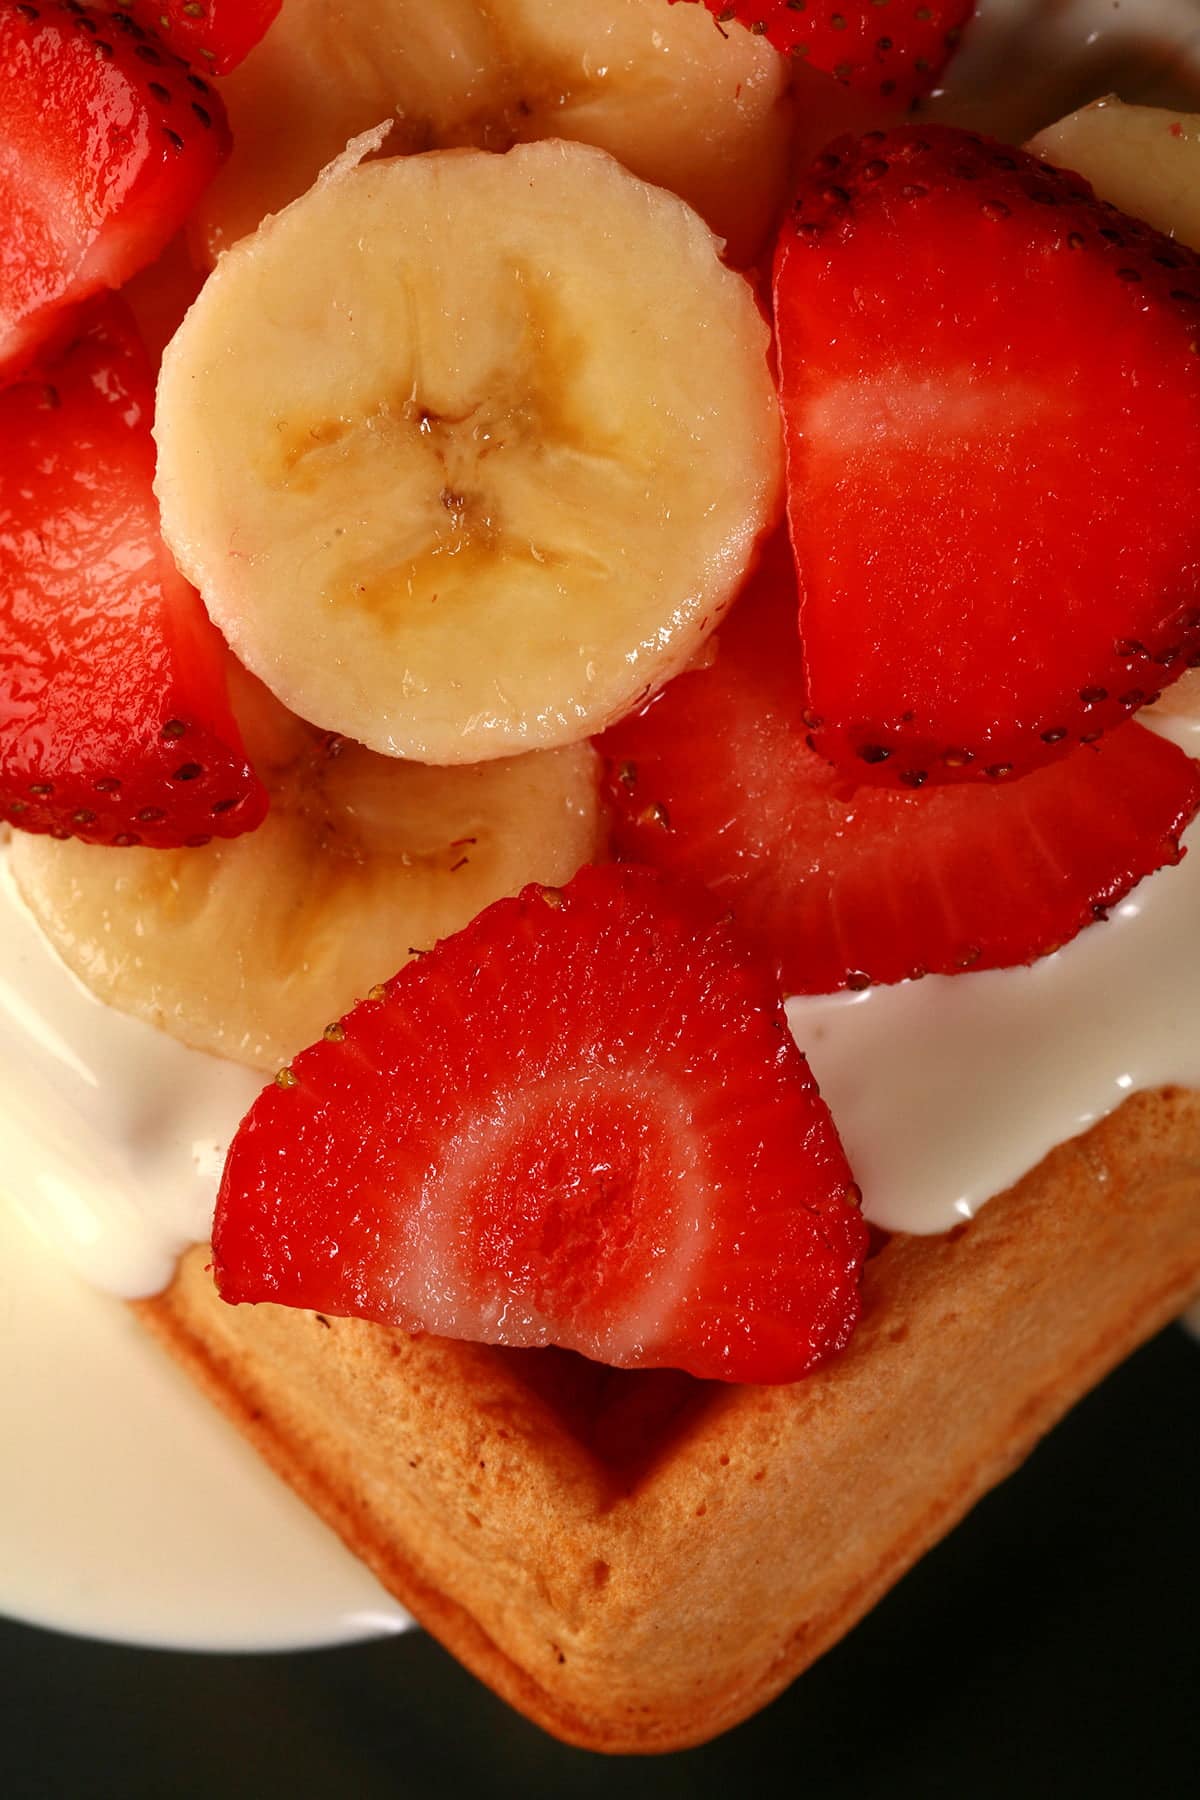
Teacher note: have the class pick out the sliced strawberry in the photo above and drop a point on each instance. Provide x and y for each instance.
(114, 722)
(214, 34)
(992, 400)
(582, 1122)
(161, 294)
(991, 390)
(715, 781)
(106, 142)
(891, 48)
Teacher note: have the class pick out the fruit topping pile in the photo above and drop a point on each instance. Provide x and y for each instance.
(505, 654)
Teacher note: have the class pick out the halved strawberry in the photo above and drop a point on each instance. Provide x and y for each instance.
(114, 722)
(581, 1121)
(213, 34)
(715, 781)
(891, 48)
(106, 142)
(991, 387)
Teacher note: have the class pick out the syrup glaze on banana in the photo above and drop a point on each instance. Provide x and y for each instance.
(514, 489)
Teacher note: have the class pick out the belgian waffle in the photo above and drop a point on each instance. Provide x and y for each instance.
(638, 1561)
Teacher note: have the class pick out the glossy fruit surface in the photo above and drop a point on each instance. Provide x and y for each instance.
(991, 387)
(106, 141)
(213, 34)
(581, 1121)
(114, 721)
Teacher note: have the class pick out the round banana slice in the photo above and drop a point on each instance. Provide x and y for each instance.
(468, 453)
(250, 947)
(705, 113)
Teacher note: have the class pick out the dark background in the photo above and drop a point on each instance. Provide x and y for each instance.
(1051, 1647)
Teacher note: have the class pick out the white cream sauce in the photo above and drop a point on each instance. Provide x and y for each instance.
(129, 1509)
(947, 1090)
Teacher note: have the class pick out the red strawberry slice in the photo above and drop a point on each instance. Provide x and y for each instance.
(214, 34)
(582, 1122)
(114, 723)
(894, 49)
(161, 294)
(106, 142)
(991, 387)
(715, 781)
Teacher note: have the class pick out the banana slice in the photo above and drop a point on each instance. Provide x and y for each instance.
(1143, 159)
(687, 108)
(467, 453)
(250, 948)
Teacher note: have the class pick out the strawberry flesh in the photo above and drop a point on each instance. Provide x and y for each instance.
(890, 49)
(107, 141)
(114, 721)
(715, 781)
(991, 388)
(581, 1121)
(215, 35)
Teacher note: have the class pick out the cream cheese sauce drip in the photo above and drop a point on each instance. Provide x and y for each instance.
(114, 1135)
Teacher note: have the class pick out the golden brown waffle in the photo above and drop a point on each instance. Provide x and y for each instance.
(638, 1561)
